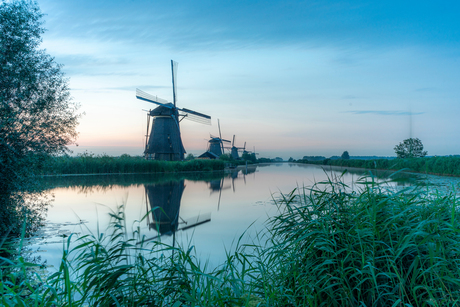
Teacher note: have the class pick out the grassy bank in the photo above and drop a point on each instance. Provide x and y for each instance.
(445, 166)
(327, 246)
(124, 180)
(91, 164)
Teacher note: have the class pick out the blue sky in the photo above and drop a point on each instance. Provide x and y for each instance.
(291, 78)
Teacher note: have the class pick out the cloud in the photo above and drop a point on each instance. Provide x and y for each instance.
(397, 113)
(217, 25)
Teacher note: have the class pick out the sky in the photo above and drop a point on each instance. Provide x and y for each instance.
(289, 78)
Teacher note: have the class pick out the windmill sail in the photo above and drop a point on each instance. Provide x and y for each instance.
(195, 116)
(174, 80)
(164, 141)
(151, 98)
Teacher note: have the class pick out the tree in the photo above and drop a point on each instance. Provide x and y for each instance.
(37, 115)
(410, 148)
(249, 157)
(345, 155)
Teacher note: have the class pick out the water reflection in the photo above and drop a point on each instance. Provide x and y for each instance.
(163, 201)
(236, 199)
(163, 205)
(228, 180)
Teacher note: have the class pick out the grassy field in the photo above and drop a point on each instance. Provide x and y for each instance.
(327, 246)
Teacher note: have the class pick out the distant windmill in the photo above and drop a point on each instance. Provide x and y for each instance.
(216, 144)
(235, 149)
(164, 141)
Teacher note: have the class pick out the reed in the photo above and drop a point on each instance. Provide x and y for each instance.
(445, 166)
(334, 247)
(328, 246)
(92, 164)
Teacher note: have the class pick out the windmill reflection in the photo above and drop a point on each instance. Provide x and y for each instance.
(228, 180)
(164, 199)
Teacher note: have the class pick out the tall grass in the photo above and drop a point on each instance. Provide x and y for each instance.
(91, 164)
(446, 166)
(374, 247)
(327, 246)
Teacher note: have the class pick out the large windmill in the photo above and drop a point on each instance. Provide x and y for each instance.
(164, 141)
(216, 144)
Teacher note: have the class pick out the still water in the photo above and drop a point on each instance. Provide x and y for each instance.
(209, 211)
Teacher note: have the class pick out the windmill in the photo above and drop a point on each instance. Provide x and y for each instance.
(164, 141)
(216, 144)
(235, 149)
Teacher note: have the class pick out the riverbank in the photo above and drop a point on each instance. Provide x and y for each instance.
(324, 247)
(439, 166)
(91, 164)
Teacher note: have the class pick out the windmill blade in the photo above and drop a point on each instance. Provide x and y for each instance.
(220, 136)
(218, 125)
(233, 143)
(195, 116)
(195, 221)
(147, 134)
(225, 141)
(153, 99)
(174, 66)
(220, 193)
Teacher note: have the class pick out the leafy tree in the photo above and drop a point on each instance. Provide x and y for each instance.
(249, 157)
(345, 155)
(226, 157)
(37, 116)
(410, 148)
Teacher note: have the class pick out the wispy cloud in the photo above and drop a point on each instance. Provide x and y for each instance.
(205, 24)
(360, 112)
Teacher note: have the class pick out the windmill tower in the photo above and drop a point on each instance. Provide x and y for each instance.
(216, 144)
(164, 141)
(235, 149)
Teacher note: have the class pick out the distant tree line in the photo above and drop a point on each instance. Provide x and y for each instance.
(410, 156)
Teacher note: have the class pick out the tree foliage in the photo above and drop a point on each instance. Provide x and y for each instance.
(410, 148)
(345, 155)
(247, 156)
(37, 115)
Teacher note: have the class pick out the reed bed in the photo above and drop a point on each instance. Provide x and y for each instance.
(327, 246)
(91, 164)
(444, 166)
